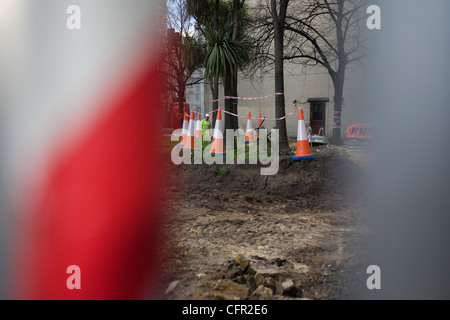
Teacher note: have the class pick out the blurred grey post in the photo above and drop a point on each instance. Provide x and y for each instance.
(409, 76)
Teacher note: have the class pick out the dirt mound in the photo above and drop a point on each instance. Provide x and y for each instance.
(330, 174)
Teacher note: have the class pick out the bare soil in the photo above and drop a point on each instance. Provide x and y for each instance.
(307, 223)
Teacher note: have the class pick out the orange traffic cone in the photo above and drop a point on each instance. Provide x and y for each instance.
(303, 148)
(198, 128)
(259, 124)
(190, 135)
(184, 128)
(249, 131)
(217, 144)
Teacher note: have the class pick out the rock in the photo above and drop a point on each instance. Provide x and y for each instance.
(234, 271)
(174, 287)
(290, 289)
(288, 284)
(259, 279)
(263, 293)
(239, 260)
(280, 289)
(271, 284)
(301, 268)
(268, 272)
(250, 271)
(259, 290)
(250, 282)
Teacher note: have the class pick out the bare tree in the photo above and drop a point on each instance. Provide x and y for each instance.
(181, 55)
(330, 33)
(315, 32)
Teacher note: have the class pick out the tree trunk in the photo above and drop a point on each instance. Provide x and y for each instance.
(181, 106)
(228, 91)
(235, 101)
(338, 80)
(279, 100)
(279, 75)
(215, 89)
(215, 93)
(234, 84)
(338, 84)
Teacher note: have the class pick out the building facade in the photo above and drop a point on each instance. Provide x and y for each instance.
(312, 88)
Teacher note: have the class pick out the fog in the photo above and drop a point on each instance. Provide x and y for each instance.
(409, 195)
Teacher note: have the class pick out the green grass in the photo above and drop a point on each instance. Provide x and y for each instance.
(222, 171)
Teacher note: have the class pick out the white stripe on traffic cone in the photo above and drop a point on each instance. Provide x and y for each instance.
(303, 148)
(249, 131)
(198, 128)
(218, 145)
(190, 135)
(184, 129)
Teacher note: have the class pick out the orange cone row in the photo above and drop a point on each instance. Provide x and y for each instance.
(192, 130)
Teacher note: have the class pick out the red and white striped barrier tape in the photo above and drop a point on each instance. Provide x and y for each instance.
(253, 98)
(254, 118)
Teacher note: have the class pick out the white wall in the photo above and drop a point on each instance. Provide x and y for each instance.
(301, 84)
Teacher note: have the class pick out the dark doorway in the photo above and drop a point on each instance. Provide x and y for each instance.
(317, 117)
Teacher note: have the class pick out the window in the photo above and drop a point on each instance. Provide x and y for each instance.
(317, 114)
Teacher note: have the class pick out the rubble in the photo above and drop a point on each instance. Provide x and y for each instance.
(238, 277)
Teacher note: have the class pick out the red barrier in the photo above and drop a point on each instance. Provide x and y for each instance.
(359, 131)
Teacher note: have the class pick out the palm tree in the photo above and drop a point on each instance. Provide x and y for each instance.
(228, 48)
(206, 13)
(224, 54)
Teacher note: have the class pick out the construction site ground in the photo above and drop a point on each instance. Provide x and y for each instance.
(306, 225)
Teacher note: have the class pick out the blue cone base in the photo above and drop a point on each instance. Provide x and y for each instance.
(303, 158)
(219, 154)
